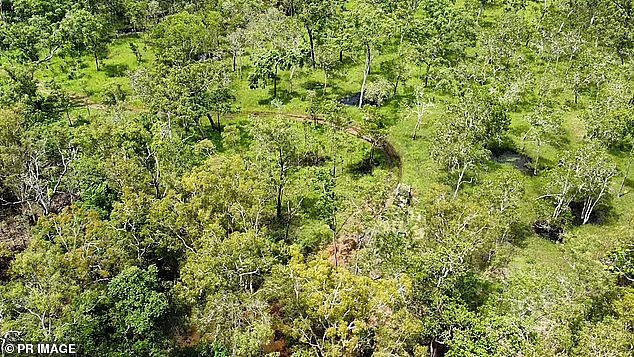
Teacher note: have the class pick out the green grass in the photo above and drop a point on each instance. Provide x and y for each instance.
(82, 79)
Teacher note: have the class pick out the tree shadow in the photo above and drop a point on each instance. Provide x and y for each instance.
(283, 95)
(519, 233)
(115, 70)
(371, 160)
(601, 214)
(505, 154)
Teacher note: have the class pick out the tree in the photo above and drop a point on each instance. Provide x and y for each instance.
(587, 74)
(329, 310)
(419, 108)
(367, 29)
(316, 15)
(226, 190)
(280, 47)
(277, 151)
(582, 175)
(482, 114)
(457, 151)
(183, 38)
(138, 303)
(237, 46)
(35, 301)
(222, 282)
(127, 318)
(186, 94)
(36, 101)
(327, 56)
(442, 36)
(611, 123)
(395, 71)
(621, 262)
(461, 140)
(329, 199)
(85, 32)
(545, 122)
(268, 63)
(36, 164)
(137, 13)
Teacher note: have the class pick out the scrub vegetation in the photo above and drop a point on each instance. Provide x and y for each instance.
(322, 178)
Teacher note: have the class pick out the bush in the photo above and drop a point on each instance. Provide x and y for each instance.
(114, 94)
(378, 92)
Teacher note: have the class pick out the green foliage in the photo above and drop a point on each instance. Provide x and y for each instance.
(222, 278)
(621, 262)
(125, 318)
(277, 151)
(378, 92)
(183, 38)
(186, 95)
(153, 204)
(85, 32)
(582, 176)
(330, 310)
(138, 302)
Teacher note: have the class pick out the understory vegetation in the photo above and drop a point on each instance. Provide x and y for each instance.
(323, 178)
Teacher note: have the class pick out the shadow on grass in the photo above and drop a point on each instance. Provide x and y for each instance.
(283, 95)
(115, 70)
(371, 160)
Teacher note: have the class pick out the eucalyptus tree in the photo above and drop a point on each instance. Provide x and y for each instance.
(277, 151)
(137, 13)
(368, 28)
(462, 139)
(587, 74)
(395, 70)
(330, 311)
(237, 43)
(618, 24)
(583, 175)
(545, 123)
(36, 100)
(85, 32)
(327, 55)
(230, 192)
(222, 282)
(36, 164)
(402, 13)
(186, 94)
(279, 46)
(317, 16)
(268, 63)
(183, 38)
(441, 36)
(610, 122)
(419, 107)
(457, 151)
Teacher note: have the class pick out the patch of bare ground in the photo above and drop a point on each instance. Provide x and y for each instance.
(345, 249)
(14, 229)
(188, 337)
(14, 236)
